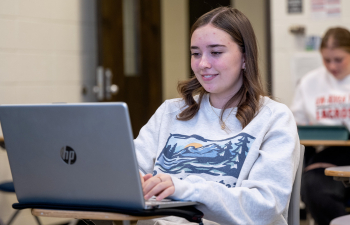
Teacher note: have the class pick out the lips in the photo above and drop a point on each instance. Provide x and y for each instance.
(208, 77)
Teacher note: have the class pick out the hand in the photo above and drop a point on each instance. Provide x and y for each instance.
(144, 178)
(160, 185)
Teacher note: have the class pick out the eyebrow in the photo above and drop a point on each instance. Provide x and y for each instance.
(209, 46)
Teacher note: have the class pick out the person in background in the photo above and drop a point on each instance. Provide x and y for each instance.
(323, 97)
(224, 144)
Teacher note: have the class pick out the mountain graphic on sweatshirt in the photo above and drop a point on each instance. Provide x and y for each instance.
(223, 159)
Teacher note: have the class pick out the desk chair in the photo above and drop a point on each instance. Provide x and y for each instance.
(8, 187)
(294, 204)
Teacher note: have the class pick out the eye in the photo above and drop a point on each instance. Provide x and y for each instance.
(195, 54)
(216, 53)
(338, 60)
(327, 60)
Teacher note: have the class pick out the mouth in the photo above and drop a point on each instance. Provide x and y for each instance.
(208, 77)
(334, 73)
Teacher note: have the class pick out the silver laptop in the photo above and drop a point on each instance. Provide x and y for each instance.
(74, 154)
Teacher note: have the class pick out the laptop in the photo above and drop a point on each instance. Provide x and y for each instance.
(75, 154)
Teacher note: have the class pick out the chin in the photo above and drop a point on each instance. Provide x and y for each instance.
(339, 76)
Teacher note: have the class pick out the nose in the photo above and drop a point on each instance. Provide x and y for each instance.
(332, 66)
(204, 63)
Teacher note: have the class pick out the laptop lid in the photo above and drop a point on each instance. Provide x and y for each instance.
(75, 154)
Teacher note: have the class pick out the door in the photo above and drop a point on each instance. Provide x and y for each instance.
(129, 43)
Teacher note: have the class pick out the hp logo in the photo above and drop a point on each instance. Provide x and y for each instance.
(68, 155)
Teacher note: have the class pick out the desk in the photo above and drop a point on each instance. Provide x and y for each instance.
(340, 173)
(325, 142)
(188, 212)
(71, 214)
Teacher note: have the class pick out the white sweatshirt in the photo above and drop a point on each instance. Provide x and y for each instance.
(321, 99)
(238, 176)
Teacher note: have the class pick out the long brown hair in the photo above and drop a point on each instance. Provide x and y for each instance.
(340, 38)
(237, 25)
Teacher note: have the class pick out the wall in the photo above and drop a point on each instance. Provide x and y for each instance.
(175, 45)
(284, 43)
(47, 54)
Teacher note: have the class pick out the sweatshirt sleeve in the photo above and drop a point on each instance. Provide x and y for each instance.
(146, 144)
(298, 106)
(264, 195)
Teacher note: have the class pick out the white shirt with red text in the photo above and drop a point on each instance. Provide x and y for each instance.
(322, 99)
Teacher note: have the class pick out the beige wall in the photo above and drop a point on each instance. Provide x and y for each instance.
(175, 46)
(45, 49)
(47, 54)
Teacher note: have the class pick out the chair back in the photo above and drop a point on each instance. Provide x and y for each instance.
(294, 203)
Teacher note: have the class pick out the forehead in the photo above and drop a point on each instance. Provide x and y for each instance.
(334, 52)
(209, 34)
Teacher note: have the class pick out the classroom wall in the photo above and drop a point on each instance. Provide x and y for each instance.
(47, 54)
(47, 50)
(286, 46)
(175, 45)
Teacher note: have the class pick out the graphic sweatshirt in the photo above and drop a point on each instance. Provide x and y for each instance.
(239, 176)
(322, 99)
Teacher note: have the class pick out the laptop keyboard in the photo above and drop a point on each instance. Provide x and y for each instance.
(153, 201)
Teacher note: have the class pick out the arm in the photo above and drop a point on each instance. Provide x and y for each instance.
(146, 144)
(264, 195)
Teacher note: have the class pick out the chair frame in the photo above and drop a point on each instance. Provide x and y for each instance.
(294, 203)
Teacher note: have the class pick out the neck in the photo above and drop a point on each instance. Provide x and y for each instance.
(220, 102)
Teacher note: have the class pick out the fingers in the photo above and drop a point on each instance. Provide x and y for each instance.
(147, 176)
(167, 192)
(144, 178)
(161, 185)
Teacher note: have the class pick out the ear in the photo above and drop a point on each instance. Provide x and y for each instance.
(243, 62)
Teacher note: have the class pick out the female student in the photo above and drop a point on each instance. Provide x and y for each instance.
(323, 97)
(223, 144)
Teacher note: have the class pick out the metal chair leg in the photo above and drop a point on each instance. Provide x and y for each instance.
(37, 220)
(13, 217)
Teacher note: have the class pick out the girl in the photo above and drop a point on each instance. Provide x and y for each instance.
(223, 144)
(323, 97)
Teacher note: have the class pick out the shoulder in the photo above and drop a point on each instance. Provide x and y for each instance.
(171, 106)
(313, 76)
(269, 106)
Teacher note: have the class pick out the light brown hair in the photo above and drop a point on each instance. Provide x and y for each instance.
(237, 25)
(336, 37)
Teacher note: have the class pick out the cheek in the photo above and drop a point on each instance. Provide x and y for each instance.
(193, 65)
(346, 63)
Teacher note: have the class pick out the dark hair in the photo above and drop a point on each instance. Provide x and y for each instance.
(237, 25)
(336, 37)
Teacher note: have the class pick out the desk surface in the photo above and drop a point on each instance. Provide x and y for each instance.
(1, 139)
(324, 142)
(88, 215)
(338, 171)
